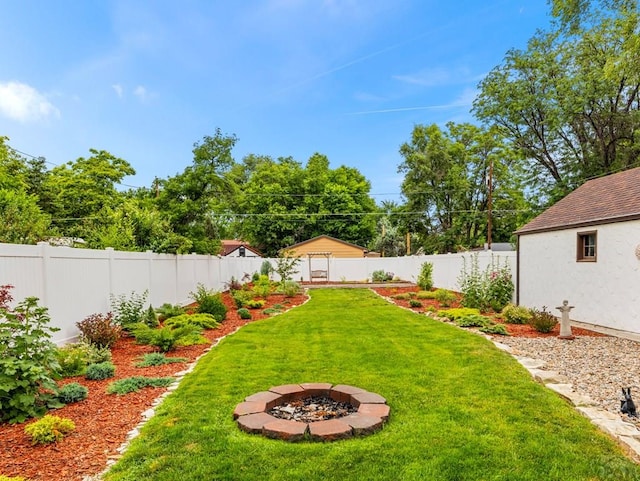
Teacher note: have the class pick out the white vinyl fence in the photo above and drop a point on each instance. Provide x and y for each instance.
(74, 283)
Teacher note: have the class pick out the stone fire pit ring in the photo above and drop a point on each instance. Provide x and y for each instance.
(253, 416)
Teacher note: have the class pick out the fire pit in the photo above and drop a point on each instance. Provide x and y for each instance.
(315, 411)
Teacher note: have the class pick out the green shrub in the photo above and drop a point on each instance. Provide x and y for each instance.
(255, 277)
(425, 280)
(265, 269)
(404, 296)
(101, 330)
(381, 276)
(12, 478)
(244, 313)
(100, 371)
(415, 303)
(167, 338)
(128, 311)
(516, 314)
(27, 360)
(271, 311)
(262, 287)
(97, 354)
(499, 329)
(453, 314)
(473, 320)
(256, 303)
(151, 318)
(493, 288)
(158, 359)
(49, 429)
(72, 359)
(543, 321)
(166, 311)
(286, 265)
(209, 302)
(241, 297)
(204, 321)
(425, 295)
(72, 392)
(135, 383)
(289, 288)
(444, 297)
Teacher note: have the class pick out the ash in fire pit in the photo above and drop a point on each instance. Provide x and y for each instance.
(312, 409)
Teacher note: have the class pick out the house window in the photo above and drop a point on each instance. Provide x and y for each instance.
(587, 246)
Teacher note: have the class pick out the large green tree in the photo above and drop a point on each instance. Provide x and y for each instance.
(571, 101)
(446, 186)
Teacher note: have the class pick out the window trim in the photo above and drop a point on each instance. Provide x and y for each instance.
(581, 246)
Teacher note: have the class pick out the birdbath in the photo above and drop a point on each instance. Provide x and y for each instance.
(565, 324)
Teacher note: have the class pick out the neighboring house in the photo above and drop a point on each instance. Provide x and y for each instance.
(324, 244)
(237, 248)
(586, 249)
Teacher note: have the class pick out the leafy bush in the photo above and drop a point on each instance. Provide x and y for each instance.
(166, 311)
(72, 359)
(265, 269)
(262, 287)
(100, 371)
(97, 354)
(128, 311)
(244, 313)
(240, 298)
(404, 296)
(492, 288)
(499, 329)
(415, 303)
(204, 321)
(543, 321)
(72, 392)
(473, 320)
(49, 429)
(444, 297)
(289, 288)
(135, 383)
(167, 338)
(381, 276)
(101, 330)
(516, 314)
(209, 302)
(271, 311)
(28, 360)
(453, 314)
(158, 359)
(425, 280)
(425, 294)
(286, 265)
(256, 303)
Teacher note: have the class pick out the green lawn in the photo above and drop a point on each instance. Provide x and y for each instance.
(460, 408)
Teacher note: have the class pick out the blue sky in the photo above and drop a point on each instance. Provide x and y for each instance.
(145, 80)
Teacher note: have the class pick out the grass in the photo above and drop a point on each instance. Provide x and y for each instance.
(460, 408)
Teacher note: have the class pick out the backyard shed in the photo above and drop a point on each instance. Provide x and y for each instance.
(325, 243)
(586, 249)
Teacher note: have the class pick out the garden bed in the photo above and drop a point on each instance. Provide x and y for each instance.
(103, 420)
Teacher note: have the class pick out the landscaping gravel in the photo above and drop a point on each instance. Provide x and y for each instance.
(598, 367)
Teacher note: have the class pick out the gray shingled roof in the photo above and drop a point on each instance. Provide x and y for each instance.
(605, 200)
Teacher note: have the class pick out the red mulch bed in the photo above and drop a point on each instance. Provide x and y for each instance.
(103, 420)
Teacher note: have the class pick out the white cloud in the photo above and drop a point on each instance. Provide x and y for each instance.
(22, 102)
(141, 93)
(436, 76)
(118, 89)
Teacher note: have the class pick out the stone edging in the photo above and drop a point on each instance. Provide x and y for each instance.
(252, 414)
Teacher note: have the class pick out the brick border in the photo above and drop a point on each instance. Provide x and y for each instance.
(252, 414)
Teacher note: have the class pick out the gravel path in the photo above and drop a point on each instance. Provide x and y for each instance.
(596, 366)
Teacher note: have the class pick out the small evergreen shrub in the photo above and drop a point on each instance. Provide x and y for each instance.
(271, 311)
(128, 311)
(167, 338)
(444, 297)
(72, 359)
(166, 311)
(151, 318)
(244, 313)
(453, 314)
(404, 296)
(97, 354)
(262, 287)
(101, 330)
(381, 276)
(100, 371)
(543, 321)
(209, 302)
(49, 429)
(158, 359)
(426, 294)
(204, 321)
(72, 392)
(256, 303)
(241, 297)
(516, 314)
(499, 329)
(135, 383)
(425, 280)
(289, 288)
(473, 320)
(415, 303)
(265, 269)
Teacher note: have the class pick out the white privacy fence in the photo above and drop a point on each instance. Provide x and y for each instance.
(74, 283)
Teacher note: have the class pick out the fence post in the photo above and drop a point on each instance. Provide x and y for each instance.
(46, 259)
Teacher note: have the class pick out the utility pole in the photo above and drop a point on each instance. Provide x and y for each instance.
(489, 203)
